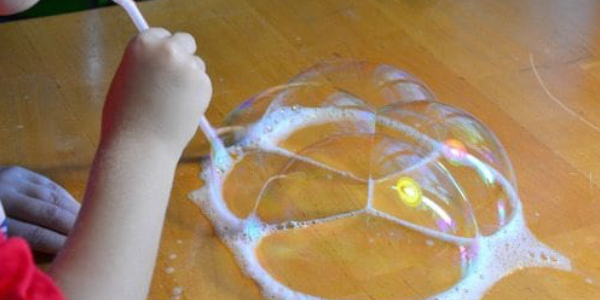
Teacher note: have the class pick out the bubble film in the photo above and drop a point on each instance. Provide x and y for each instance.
(353, 182)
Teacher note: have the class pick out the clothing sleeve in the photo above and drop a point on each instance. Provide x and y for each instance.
(20, 279)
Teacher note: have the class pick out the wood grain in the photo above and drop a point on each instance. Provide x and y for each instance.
(477, 55)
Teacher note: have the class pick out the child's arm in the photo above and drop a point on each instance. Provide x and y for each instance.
(155, 101)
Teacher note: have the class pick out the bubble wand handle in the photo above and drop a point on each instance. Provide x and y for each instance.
(138, 19)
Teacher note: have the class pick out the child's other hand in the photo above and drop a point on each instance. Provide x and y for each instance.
(159, 92)
(38, 210)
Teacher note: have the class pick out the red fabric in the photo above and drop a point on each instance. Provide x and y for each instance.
(20, 279)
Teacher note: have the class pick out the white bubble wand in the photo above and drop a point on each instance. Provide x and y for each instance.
(138, 19)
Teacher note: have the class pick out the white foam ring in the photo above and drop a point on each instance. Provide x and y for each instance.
(511, 248)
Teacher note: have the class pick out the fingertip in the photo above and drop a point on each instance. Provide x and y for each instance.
(66, 200)
(184, 40)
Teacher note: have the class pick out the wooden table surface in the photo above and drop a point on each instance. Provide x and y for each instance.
(478, 55)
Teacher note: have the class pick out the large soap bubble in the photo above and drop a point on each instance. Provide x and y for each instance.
(353, 179)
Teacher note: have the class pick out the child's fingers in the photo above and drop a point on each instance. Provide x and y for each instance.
(184, 41)
(53, 194)
(43, 188)
(39, 238)
(38, 212)
(29, 175)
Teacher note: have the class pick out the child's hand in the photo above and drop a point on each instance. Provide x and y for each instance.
(159, 92)
(38, 209)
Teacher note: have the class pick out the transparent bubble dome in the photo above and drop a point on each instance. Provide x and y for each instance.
(352, 182)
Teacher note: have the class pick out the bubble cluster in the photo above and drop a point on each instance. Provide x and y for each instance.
(353, 178)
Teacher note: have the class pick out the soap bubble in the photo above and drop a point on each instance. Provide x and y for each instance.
(354, 177)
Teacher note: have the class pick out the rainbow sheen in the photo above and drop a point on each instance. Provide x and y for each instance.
(454, 151)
